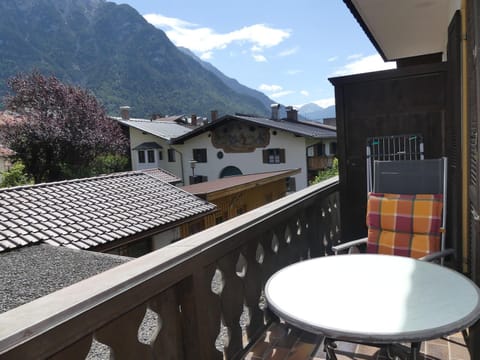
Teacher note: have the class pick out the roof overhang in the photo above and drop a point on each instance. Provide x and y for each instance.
(405, 28)
(148, 146)
(226, 186)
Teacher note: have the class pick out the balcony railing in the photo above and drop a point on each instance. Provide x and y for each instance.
(199, 298)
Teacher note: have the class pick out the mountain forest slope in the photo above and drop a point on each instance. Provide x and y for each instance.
(111, 50)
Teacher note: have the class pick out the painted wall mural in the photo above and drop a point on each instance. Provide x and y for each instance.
(237, 137)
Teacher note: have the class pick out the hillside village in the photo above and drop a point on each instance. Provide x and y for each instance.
(186, 176)
(235, 163)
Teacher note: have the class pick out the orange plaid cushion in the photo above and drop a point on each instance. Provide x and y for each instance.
(405, 225)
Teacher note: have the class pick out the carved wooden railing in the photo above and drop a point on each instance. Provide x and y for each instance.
(200, 298)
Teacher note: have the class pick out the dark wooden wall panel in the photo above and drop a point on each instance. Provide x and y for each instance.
(473, 90)
(394, 102)
(453, 139)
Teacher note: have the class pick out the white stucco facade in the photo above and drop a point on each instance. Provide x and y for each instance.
(161, 159)
(248, 162)
(286, 150)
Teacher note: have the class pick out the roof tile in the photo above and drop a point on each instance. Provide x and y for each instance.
(83, 213)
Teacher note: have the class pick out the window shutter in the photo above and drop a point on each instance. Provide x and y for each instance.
(141, 156)
(282, 155)
(265, 156)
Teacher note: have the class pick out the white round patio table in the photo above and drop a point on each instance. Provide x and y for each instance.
(378, 299)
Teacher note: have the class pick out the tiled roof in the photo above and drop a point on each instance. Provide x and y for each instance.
(6, 152)
(85, 213)
(165, 129)
(317, 131)
(6, 116)
(162, 175)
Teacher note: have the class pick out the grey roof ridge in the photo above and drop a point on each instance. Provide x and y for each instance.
(147, 120)
(250, 118)
(178, 188)
(79, 180)
(146, 172)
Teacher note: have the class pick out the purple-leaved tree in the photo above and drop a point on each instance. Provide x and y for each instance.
(62, 131)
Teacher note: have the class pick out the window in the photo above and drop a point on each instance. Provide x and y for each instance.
(218, 218)
(320, 149)
(333, 148)
(151, 156)
(195, 227)
(310, 151)
(135, 249)
(141, 156)
(242, 210)
(274, 156)
(171, 155)
(291, 185)
(200, 155)
(160, 155)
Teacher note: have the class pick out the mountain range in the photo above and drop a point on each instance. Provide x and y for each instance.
(315, 112)
(114, 52)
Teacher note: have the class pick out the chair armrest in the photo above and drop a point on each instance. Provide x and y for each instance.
(348, 245)
(438, 255)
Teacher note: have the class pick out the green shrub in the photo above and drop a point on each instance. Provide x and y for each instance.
(15, 176)
(326, 173)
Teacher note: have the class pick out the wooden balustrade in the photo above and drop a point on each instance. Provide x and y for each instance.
(199, 298)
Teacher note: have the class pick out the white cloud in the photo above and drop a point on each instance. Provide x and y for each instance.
(159, 20)
(207, 55)
(281, 93)
(365, 64)
(204, 39)
(324, 103)
(288, 52)
(333, 58)
(269, 88)
(259, 58)
(294, 71)
(304, 93)
(354, 56)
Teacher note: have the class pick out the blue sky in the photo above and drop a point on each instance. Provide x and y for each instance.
(286, 49)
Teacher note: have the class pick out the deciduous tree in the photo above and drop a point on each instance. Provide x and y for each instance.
(62, 129)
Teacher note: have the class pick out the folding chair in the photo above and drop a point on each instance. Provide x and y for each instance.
(406, 216)
(392, 148)
(406, 211)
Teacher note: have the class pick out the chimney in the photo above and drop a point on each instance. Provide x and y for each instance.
(125, 112)
(292, 114)
(194, 120)
(275, 108)
(213, 115)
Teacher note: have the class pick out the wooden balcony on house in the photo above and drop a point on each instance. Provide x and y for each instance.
(200, 298)
(316, 163)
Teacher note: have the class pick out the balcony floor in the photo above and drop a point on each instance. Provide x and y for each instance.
(281, 342)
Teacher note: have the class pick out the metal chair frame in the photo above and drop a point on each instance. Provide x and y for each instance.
(395, 147)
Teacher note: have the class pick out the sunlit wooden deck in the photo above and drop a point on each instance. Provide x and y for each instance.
(281, 342)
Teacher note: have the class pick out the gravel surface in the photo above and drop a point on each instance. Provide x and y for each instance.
(35, 271)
